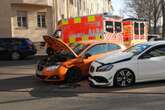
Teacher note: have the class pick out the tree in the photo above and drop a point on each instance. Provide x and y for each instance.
(163, 15)
(149, 9)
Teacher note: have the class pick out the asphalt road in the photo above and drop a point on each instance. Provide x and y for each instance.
(19, 90)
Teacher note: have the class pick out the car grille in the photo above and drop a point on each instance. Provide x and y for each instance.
(92, 69)
(99, 79)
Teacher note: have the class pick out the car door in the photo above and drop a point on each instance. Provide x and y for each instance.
(152, 64)
(90, 55)
(95, 52)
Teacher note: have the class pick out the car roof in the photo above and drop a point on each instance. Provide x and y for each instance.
(154, 43)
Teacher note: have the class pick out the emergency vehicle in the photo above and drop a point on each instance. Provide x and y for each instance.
(135, 31)
(102, 27)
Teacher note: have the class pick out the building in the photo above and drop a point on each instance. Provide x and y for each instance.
(35, 18)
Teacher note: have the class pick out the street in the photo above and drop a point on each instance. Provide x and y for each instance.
(19, 90)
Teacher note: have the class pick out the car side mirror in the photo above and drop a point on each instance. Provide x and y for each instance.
(87, 55)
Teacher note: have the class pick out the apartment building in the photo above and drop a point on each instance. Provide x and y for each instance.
(35, 18)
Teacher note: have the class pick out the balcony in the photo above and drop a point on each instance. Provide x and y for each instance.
(33, 2)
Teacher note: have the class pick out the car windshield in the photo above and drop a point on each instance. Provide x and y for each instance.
(78, 47)
(137, 49)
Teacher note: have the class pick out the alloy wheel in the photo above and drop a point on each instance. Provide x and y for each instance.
(124, 78)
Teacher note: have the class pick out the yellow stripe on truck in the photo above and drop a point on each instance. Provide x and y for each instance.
(85, 38)
(91, 18)
(72, 39)
(99, 38)
(65, 21)
(77, 20)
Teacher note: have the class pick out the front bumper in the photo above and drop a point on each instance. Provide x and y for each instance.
(104, 78)
(103, 82)
(39, 75)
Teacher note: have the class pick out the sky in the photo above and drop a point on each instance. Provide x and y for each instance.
(118, 5)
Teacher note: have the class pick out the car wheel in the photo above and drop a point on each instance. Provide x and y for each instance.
(15, 56)
(124, 78)
(73, 75)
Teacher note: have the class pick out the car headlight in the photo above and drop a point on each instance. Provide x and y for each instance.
(107, 67)
(51, 68)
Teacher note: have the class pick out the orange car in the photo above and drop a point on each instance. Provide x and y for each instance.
(71, 62)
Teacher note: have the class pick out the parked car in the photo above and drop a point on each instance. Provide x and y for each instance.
(16, 48)
(142, 62)
(72, 61)
(155, 37)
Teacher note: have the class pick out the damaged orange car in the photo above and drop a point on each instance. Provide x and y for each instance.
(71, 62)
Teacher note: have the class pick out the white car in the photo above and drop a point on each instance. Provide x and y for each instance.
(140, 63)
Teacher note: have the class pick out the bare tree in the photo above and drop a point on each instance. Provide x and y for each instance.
(163, 15)
(149, 9)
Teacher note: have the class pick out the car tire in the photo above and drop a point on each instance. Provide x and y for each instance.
(124, 78)
(15, 56)
(73, 75)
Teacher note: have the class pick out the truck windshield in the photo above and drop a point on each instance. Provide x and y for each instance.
(137, 49)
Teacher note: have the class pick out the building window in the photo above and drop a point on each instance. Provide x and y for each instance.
(41, 19)
(22, 19)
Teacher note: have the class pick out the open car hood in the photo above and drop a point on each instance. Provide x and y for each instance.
(58, 45)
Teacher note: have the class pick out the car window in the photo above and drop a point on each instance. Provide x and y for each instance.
(78, 47)
(137, 49)
(4, 42)
(97, 49)
(2, 48)
(17, 41)
(113, 47)
(157, 51)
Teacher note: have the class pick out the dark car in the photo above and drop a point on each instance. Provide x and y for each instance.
(16, 48)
